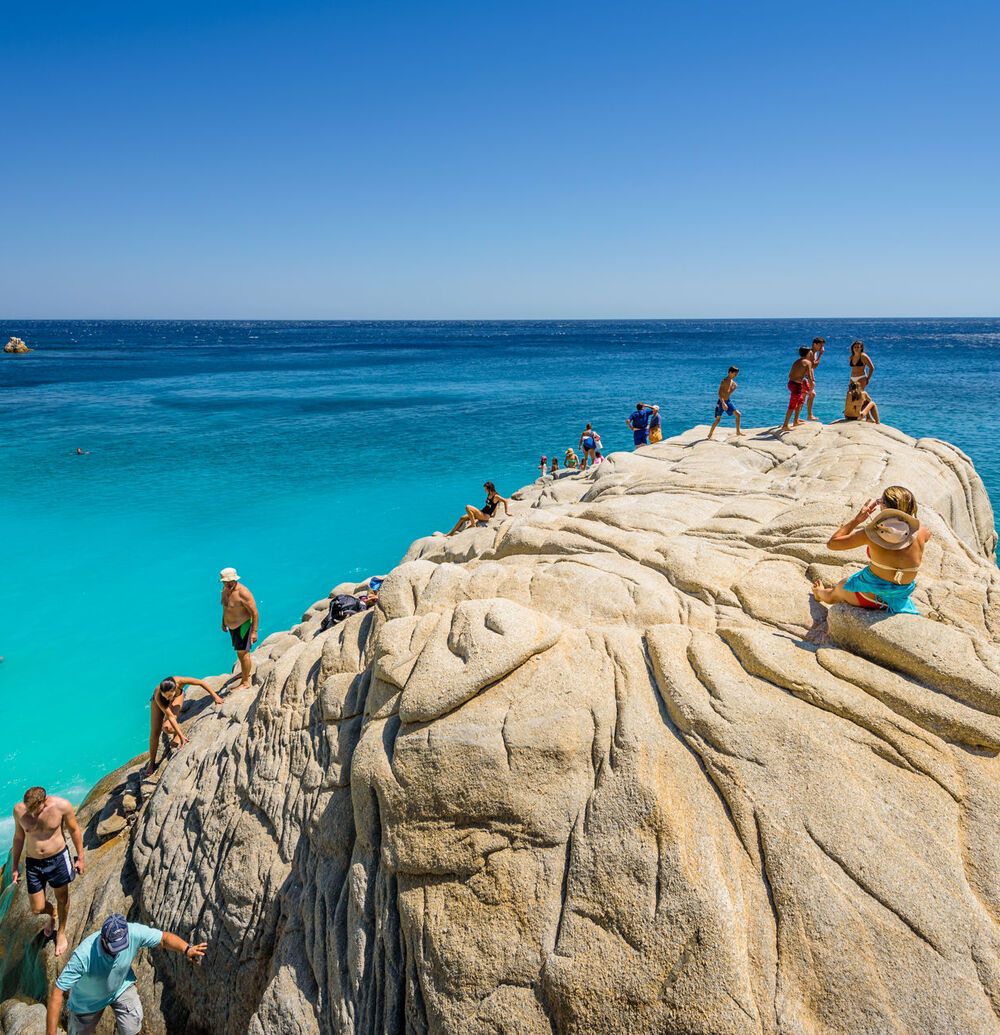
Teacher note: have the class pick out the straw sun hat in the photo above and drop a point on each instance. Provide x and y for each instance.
(892, 529)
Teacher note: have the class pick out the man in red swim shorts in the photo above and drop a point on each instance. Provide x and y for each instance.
(799, 383)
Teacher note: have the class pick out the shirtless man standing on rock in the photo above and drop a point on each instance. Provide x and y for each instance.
(799, 385)
(38, 826)
(239, 619)
(725, 405)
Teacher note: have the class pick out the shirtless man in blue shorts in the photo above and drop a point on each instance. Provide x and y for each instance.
(725, 405)
(38, 826)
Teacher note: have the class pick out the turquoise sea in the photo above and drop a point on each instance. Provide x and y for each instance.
(305, 454)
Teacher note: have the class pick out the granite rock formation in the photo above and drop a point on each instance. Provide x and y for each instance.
(602, 766)
(16, 345)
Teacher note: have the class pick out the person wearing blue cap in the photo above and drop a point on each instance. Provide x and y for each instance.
(99, 974)
(374, 585)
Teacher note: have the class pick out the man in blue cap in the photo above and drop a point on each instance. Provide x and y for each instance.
(99, 974)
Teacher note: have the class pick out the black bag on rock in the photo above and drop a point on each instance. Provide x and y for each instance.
(341, 607)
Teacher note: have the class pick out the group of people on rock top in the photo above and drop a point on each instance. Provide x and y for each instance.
(99, 972)
(893, 534)
(858, 404)
(646, 424)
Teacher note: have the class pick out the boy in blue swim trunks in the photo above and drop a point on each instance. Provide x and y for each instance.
(725, 404)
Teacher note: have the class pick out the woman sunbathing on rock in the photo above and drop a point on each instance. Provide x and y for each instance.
(165, 708)
(859, 405)
(474, 516)
(895, 540)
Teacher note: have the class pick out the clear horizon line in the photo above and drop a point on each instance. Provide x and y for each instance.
(467, 319)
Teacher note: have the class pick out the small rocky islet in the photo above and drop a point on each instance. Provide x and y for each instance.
(601, 767)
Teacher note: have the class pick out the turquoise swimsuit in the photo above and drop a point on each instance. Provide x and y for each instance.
(894, 596)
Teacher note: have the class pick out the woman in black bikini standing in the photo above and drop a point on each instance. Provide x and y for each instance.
(862, 367)
(473, 515)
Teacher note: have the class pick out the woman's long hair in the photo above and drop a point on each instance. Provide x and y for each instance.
(898, 498)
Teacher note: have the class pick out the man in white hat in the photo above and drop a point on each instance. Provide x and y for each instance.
(240, 619)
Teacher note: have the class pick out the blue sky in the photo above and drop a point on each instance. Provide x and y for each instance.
(462, 160)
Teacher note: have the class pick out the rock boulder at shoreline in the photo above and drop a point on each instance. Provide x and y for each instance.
(604, 767)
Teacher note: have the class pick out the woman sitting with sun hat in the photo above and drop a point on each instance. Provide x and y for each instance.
(895, 540)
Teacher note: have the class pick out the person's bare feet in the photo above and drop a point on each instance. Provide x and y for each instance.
(818, 421)
(61, 943)
(822, 592)
(797, 423)
(244, 686)
(739, 434)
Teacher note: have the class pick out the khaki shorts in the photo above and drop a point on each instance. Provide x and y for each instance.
(127, 1009)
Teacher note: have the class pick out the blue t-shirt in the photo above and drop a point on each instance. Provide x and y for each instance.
(94, 979)
(640, 419)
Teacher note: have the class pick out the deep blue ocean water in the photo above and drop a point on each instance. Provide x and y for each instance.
(306, 454)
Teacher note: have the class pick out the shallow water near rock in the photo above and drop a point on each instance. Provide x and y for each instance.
(306, 454)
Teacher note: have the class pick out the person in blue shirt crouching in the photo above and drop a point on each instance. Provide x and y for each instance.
(99, 974)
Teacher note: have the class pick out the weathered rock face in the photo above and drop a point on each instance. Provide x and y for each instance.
(603, 767)
(16, 345)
